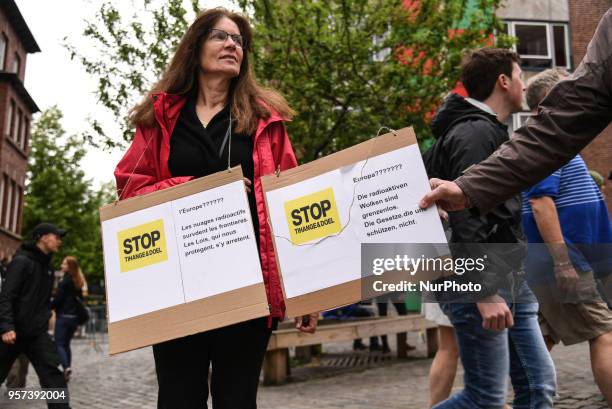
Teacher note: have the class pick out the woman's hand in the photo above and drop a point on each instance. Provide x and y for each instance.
(307, 323)
(247, 185)
(10, 337)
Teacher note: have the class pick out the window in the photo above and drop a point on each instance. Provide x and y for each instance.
(17, 136)
(541, 45)
(16, 64)
(519, 119)
(16, 204)
(8, 200)
(9, 118)
(26, 131)
(2, 188)
(532, 40)
(561, 43)
(382, 53)
(3, 47)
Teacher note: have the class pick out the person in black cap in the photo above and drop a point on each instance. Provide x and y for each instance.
(25, 309)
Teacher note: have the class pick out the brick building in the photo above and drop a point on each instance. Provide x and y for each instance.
(584, 16)
(16, 109)
(555, 33)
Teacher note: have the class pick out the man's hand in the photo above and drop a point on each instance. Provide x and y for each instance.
(566, 277)
(495, 313)
(307, 323)
(445, 194)
(9, 337)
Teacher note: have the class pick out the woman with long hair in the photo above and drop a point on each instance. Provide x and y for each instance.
(65, 304)
(208, 111)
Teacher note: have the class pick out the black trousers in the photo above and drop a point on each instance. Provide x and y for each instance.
(42, 353)
(236, 354)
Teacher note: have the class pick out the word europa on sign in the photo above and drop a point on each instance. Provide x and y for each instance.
(201, 206)
(313, 216)
(378, 172)
(142, 246)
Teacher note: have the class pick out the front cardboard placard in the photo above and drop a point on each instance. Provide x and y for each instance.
(170, 262)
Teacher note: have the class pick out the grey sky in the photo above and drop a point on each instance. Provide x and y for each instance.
(52, 79)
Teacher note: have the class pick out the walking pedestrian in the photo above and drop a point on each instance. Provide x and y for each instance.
(206, 105)
(25, 312)
(566, 211)
(497, 336)
(68, 306)
(444, 365)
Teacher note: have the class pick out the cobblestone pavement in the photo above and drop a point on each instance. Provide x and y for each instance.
(128, 381)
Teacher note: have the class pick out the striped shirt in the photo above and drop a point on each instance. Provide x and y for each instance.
(583, 214)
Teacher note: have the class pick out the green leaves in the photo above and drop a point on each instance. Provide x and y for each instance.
(58, 192)
(127, 53)
(346, 66)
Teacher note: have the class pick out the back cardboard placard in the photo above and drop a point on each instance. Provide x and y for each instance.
(321, 213)
(181, 261)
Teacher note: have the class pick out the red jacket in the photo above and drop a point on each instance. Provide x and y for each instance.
(148, 166)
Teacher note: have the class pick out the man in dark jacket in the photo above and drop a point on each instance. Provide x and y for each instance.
(3, 265)
(25, 309)
(491, 339)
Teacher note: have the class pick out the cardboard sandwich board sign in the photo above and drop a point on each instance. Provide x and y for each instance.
(181, 261)
(321, 213)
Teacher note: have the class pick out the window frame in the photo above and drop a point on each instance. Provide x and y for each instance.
(16, 68)
(8, 200)
(25, 131)
(568, 50)
(382, 54)
(2, 189)
(548, 39)
(511, 31)
(18, 130)
(10, 113)
(16, 203)
(516, 119)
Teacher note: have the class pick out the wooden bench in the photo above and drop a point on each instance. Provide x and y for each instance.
(276, 363)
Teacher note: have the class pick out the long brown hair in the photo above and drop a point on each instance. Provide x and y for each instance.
(75, 273)
(250, 101)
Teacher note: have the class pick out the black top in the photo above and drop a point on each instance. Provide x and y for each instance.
(194, 149)
(466, 135)
(26, 293)
(65, 303)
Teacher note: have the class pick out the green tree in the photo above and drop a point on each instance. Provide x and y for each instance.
(347, 67)
(58, 192)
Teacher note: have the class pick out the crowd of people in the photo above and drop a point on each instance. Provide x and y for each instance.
(561, 204)
(506, 333)
(38, 315)
(207, 112)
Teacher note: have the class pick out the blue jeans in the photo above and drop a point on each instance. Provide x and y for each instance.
(65, 327)
(488, 356)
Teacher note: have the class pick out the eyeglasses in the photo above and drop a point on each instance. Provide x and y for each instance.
(221, 36)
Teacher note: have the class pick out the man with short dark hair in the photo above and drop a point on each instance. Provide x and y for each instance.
(493, 341)
(25, 309)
